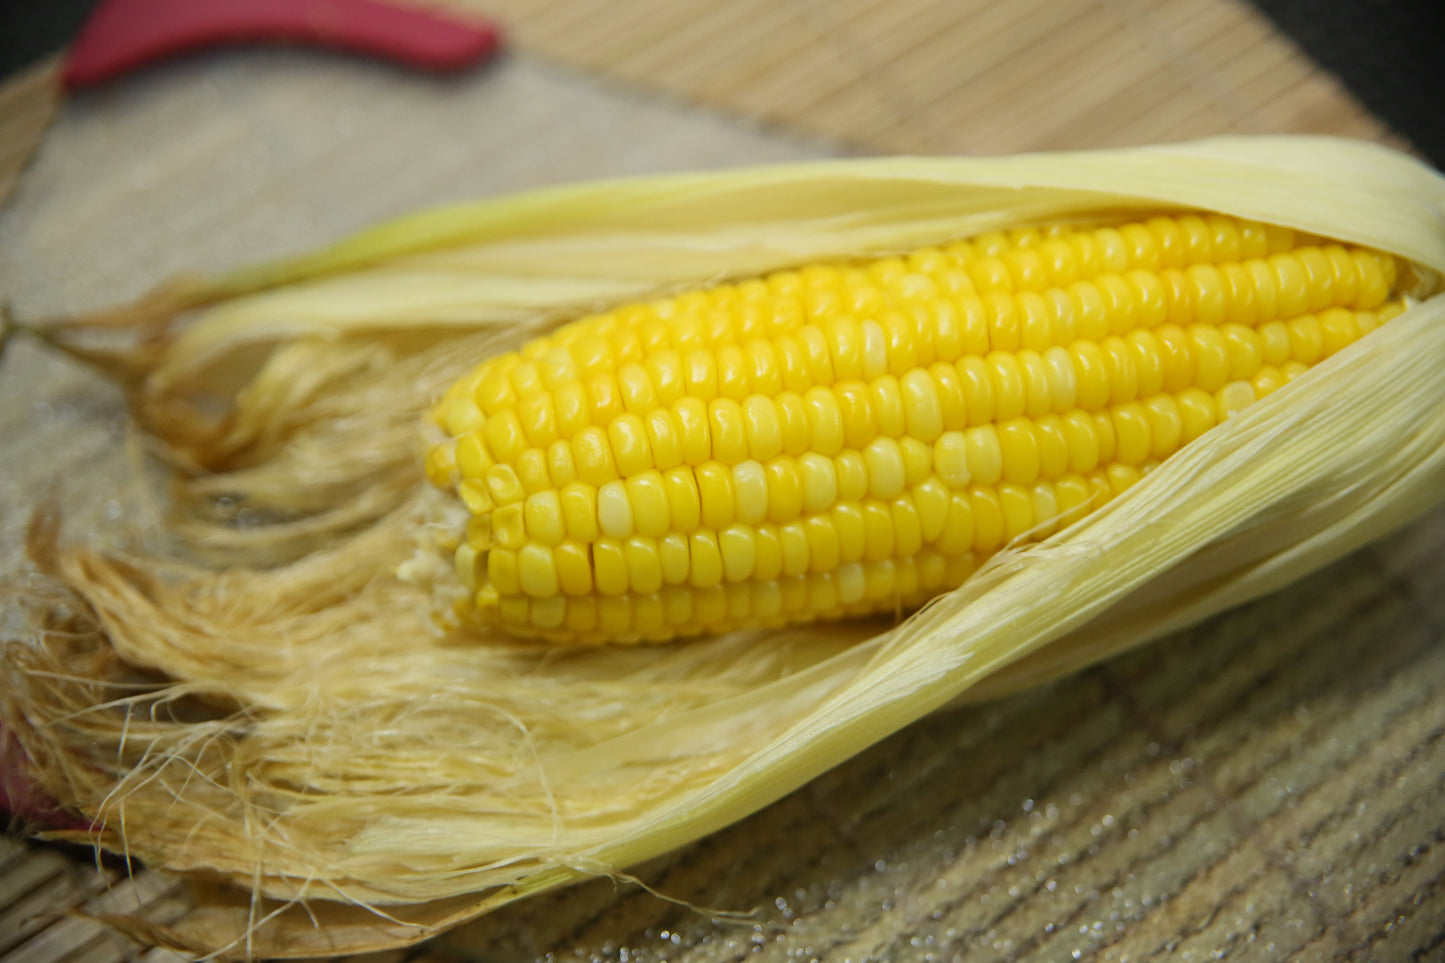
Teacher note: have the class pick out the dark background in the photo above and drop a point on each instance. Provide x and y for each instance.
(1389, 53)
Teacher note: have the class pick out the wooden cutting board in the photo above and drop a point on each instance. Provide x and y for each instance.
(1264, 787)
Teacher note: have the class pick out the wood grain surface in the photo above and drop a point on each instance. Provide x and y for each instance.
(1264, 787)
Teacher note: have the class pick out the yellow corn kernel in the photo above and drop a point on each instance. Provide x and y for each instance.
(854, 437)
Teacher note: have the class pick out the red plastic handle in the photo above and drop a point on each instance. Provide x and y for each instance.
(122, 35)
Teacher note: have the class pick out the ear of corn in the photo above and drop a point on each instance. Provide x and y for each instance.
(848, 439)
(561, 761)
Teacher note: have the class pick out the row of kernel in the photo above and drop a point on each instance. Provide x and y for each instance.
(1284, 286)
(840, 347)
(979, 518)
(850, 590)
(921, 406)
(843, 348)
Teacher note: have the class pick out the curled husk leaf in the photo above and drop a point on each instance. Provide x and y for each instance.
(253, 696)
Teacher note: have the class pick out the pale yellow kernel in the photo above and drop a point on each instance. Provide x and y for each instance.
(1009, 393)
(750, 491)
(665, 371)
(1148, 362)
(765, 375)
(503, 485)
(543, 517)
(875, 350)
(732, 373)
(1197, 412)
(631, 451)
(845, 346)
(592, 454)
(1019, 451)
(1080, 433)
(1239, 294)
(464, 564)
(952, 410)
(1166, 425)
(1345, 279)
(819, 482)
(884, 460)
(767, 553)
(988, 521)
(610, 567)
(729, 436)
(574, 568)
(1062, 384)
(1306, 339)
(662, 439)
(462, 416)
(1005, 326)
(531, 468)
(793, 423)
(825, 421)
(579, 511)
(784, 489)
(822, 543)
(1073, 495)
(707, 563)
(536, 571)
(715, 492)
(907, 529)
(1211, 306)
(855, 406)
(1122, 477)
(957, 534)
(950, 459)
(886, 402)
(1091, 375)
(474, 495)
(1133, 442)
(917, 460)
(1211, 357)
(1046, 509)
(1234, 398)
(1291, 285)
(1104, 432)
(1036, 316)
(570, 403)
(1017, 505)
(848, 524)
(977, 386)
(985, 457)
(1267, 380)
(851, 583)
(793, 540)
(604, 398)
(1338, 330)
(614, 510)
(650, 512)
(1151, 303)
(852, 474)
(502, 572)
(931, 498)
(699, 373)
(761, 427)
(472, 459)
(1090, 311)
(644, 565)
(694, 433)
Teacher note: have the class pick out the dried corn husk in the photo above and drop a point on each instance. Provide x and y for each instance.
(312, 738)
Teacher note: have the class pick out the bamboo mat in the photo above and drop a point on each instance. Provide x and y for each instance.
(1265, 787)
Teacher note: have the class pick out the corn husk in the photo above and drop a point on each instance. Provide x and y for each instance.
(252, 696)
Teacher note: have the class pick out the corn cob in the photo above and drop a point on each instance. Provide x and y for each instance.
(847, 439)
